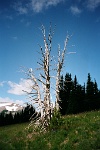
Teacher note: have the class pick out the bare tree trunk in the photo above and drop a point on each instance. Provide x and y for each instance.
(44, 103)
(59, 68)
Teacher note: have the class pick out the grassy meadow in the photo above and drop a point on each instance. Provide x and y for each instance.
(77, 132)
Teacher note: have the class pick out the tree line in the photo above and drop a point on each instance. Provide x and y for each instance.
(75, 98)
(19, 117)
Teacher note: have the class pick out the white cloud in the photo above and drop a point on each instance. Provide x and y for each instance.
(18, 6)
(19, 88)
(2, 83)
(75, 10)
(93, 4)
(20, 102)
(39, 5)
(34, 5)
(22, 10)
(8, 100)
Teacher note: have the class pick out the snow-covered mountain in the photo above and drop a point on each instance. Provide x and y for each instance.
(10, 107)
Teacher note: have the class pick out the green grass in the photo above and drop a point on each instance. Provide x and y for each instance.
(77, 132)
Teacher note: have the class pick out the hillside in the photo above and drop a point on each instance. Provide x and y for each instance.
(78, 132)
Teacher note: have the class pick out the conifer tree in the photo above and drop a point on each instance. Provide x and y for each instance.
(95, 88)
(65, 93)
(89, 87)
(73, 103)
(89, 93)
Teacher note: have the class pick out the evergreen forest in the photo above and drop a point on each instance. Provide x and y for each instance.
(19, 117)
(76, 98)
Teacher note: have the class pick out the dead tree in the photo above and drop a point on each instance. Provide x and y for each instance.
(60, 63)
(42, 99)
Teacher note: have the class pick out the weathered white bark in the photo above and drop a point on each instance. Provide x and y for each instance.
(35, 94)
(43, 100)
(46, 62)
(45, 105)
(59, 68)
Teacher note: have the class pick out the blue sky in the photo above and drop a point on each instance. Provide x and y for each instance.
(20, 23)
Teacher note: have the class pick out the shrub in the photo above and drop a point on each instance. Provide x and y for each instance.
(56, 121)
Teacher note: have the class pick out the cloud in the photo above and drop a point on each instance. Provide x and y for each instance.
(22, 10)
(39, 5)
(71, 53)
(9, 17)
(93, 4)
(18, 6)
(14, 37)
(19, 88)
(2, 83)
(7, 99)
(34, 5)
(90, 5)
(75, 10)
(28, 24)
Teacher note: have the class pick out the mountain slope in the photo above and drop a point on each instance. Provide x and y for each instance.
(10, 107)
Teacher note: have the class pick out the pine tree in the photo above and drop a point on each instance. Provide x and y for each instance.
(95, 88)
(10, 118)
(80, 96)
(96, 100)
(65, 93)
(89, 87)
(89, 94)
(73, 105)
(2, 119)
(67, 85)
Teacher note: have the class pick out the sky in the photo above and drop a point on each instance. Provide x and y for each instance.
(20, 34)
